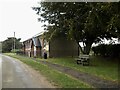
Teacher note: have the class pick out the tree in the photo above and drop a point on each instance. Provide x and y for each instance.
(7, 45)
(82, 22)
(114, 23)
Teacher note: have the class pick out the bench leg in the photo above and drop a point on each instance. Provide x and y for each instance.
(78, 61)
(85, 63)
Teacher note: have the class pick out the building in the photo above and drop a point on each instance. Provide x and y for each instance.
(58, 47)
(32, 47)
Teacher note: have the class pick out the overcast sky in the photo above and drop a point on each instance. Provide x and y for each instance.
(17, 16)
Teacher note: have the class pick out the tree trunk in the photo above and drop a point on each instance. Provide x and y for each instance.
(87, 48)
(81, 48)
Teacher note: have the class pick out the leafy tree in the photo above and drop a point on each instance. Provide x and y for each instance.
(82, 22)
(7, 45)
(114, 23)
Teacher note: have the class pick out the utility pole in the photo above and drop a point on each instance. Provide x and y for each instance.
(14, 41)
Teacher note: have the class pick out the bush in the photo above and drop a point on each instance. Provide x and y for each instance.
(17, 51)
(111, 50)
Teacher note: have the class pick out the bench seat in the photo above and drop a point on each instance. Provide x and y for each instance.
(83, 59)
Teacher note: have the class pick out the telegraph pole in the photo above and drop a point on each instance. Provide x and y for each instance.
(14, 41)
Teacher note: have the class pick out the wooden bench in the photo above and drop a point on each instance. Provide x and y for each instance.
(83, 59)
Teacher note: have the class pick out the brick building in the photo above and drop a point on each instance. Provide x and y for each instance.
(58, 47)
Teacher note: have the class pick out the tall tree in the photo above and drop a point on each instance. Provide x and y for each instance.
(114, 23)
(82, 22)
(7, 45)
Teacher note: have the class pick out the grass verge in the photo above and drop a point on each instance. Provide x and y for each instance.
(59, 79)
(101, 67)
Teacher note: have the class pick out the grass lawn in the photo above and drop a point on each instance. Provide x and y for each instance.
(101, 67)
(59, 79)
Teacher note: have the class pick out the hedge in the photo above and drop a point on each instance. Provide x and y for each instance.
(111, 50)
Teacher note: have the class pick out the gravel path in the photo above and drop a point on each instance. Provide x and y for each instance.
(90, 79)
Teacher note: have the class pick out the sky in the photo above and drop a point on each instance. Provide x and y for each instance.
(17, 16)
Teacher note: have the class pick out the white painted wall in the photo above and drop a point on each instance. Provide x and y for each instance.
(34, 51)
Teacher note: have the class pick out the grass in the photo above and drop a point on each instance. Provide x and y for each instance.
(59, 79)
(101, 67)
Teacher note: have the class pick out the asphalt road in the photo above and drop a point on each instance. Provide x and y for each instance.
(15, 74)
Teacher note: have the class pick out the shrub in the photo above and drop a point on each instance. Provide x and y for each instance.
(111, 50)
(17, 51)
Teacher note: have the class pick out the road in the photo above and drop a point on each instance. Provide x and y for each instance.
(16, 74)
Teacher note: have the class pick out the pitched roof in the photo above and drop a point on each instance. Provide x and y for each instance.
(36, 41)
